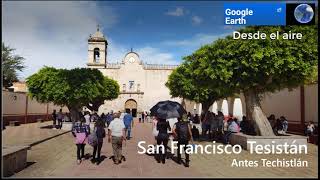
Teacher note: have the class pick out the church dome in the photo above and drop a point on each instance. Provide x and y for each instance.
(97, 36)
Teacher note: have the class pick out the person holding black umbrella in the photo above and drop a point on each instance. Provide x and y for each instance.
(162, 139)
(165, 110)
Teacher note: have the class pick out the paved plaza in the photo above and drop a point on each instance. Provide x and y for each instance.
(29, 134)
(57, 158)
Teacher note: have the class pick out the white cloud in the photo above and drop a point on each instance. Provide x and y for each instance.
(152, 55)
(196, 20)
(195, 41)
(116, 52)
(177, 12)
(147, 54)
(52, 33)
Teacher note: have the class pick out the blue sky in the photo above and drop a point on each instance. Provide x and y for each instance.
(55, 33)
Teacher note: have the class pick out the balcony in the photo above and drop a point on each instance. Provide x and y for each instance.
(131, 92)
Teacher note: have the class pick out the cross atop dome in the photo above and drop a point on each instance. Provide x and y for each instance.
(98, 27)
(97, 36)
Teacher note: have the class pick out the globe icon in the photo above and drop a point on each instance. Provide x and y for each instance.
(303, 13)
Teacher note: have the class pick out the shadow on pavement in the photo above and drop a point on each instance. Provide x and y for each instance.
(87, 156)
(123, 158)
(29, 164)
(46, 127)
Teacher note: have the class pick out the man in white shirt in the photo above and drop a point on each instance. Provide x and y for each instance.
(116, 135)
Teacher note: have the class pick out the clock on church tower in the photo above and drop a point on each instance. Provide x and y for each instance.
(132, 60)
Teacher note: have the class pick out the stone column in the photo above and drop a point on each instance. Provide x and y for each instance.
(214, 107)
(230, 101)
(219, 105)
(198, 109)
(243, 102)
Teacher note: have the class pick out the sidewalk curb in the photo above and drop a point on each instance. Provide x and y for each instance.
(48, 138)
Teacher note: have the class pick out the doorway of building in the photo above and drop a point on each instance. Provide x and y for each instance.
(130, 106)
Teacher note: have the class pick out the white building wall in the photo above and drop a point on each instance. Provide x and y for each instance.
(152, 84)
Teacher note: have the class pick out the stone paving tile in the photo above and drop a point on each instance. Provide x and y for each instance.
(57, 158)
(27, 134)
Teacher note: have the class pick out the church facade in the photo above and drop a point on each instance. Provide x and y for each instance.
(142, 85)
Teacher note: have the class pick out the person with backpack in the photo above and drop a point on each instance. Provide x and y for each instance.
(80, 131)
(182, 131)
(128, 122)
(162, 139)
(97, 140)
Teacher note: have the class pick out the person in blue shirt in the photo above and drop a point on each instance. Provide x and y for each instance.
(128, 122)
(109, 118)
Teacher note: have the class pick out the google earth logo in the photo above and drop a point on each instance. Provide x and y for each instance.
(303, 13)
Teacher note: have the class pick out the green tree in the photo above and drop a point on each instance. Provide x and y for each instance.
(255, 67)
(188, 81)
(11, 63)
(111, 91)
(73, 88)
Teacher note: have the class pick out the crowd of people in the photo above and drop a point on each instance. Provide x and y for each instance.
(59, 118)
(144, 116)
(119, 130)
(174, 129)
(184, 130)
(279, 125)
(218, 127)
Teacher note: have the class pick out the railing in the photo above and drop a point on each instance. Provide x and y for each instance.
(131, 92)
(159, 66)
(145, 66)
(113, 66)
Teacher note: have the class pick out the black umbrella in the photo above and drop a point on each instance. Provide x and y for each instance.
(167, 109)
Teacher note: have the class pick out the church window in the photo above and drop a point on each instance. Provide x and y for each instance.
(124, 87)
(96, 55)
(131, 85)
(138, 87)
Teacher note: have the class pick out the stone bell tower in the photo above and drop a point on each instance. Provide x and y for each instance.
(97, 50)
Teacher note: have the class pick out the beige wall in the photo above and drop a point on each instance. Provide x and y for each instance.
(12, 107)
(36, 108)
(311, 103)
(152, 84)
(283, 103)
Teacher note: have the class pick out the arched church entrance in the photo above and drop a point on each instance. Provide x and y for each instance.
(130, 106)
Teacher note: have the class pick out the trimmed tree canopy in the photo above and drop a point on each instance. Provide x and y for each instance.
(188, 81)
(73, 88)
(253, 67)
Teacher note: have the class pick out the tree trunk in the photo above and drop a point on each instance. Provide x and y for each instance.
(206, 106)
(95, 105)
(255, 113)
(74, 112)
(183, 104)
